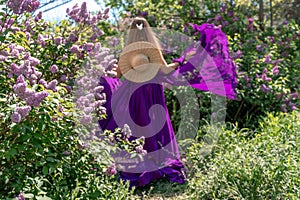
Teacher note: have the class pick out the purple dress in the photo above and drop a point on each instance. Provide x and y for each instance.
(142, 106)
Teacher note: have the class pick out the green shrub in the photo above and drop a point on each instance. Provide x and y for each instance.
(245, 164)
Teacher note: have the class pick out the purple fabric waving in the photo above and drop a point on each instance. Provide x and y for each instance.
(211, 69)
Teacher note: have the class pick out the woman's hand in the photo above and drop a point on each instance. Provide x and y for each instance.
(117, 70)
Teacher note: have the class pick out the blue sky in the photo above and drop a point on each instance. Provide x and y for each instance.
(60, 12)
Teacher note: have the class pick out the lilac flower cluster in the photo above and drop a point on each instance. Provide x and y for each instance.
(31, 97)
(81, 16)
(89, 94)
(288, 102)
(20, 113)
(5, 24)
(139, 149)
(111, 170)
(21, 6)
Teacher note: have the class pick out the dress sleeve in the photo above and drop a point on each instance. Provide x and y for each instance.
(211, 69)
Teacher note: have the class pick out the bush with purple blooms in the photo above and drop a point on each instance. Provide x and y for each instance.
(267, 57)
(42, 149)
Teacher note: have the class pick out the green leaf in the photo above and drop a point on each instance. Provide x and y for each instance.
(29, 195)
(45, 170)
(43, 198)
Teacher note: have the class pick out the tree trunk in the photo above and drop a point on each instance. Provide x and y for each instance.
(261, 14)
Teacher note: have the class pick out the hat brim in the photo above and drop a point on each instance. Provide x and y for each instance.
(146, 48)
(142, 73)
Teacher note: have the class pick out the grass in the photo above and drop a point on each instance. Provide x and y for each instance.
(245, 164)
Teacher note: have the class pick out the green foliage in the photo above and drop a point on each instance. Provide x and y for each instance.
(245, 165)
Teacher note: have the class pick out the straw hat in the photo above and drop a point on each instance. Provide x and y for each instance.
(140, 61)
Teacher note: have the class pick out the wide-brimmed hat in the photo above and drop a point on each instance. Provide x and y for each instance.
(141, 61)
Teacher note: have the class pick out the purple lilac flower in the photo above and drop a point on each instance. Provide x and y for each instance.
(235, 19)
(34, 61)
(21, 6)
(54, 69)
(283, 108)
(52, 85)
(66, 153)
(63, 78)
(182, 3)
(259, 48)
(74, 49)
(225, 23)
(127, 132)
(72, 38)
(16, 117)
(218, 18)
(21, 197)
(111, 170)
(275, 70)
(38, 16)
(86, 119)
(264, 88)
(294, 95)
(144, 14)
(41, 40)
(192, 13)
(88, 110)
(139, 149)
(58, 40)
(19, 89)
(36, 99)
(43, 82)
(98, 89)
(268, 59)
(230, 13)
(23, 111)
(88, 46)
(265, 78)
(238, 54)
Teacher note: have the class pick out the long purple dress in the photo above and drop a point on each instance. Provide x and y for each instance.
(142, 106)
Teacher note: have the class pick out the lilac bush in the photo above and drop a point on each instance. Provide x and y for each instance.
(39, 127)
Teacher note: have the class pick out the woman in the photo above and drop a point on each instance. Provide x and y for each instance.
(139, 102)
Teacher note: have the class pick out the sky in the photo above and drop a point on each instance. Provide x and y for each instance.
(60, 12)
